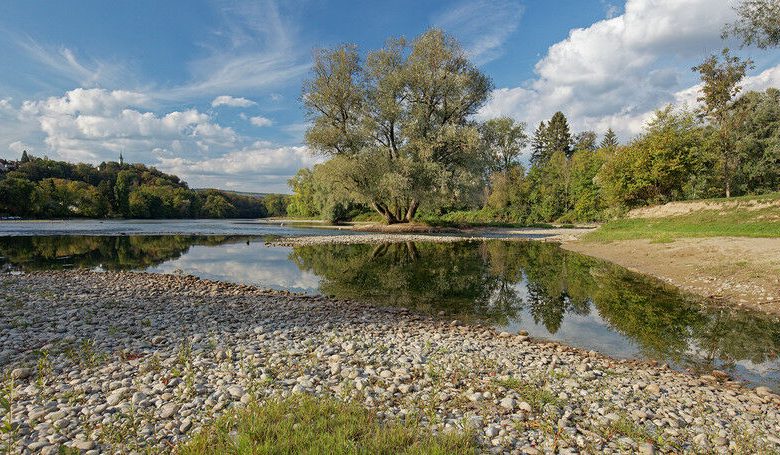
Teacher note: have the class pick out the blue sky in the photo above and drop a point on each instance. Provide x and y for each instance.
(209, 89)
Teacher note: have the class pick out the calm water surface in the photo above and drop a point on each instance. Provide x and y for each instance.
(550, 292)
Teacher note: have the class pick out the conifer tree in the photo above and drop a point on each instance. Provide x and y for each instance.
(538, 143)
(558, 136)
(610, 140)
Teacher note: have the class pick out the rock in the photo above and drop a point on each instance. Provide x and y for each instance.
(114, 399)
(700, 439)
(653, 388)
(236, 391)
(168, 410)
(21, 373)
(185, 426)
(491, 431)
(84, 445)
(504, 335)
(763, 391)
(646, 448)
(508, 403)
(524, 406)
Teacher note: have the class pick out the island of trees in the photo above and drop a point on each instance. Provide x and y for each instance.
(398, 128)
(42, 188)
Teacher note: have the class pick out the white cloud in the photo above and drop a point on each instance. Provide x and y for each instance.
(18, 147)
(94, 124)
(253, 48)
(62, 62)
(260, 121)
(244, 168)
(615, 72)
(483, 26)
(226, 100)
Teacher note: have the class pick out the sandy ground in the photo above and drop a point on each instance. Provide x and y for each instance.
(686, 207)
(740, 271)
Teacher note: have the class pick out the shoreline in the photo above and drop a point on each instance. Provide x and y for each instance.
(179, 351)
(737, 272)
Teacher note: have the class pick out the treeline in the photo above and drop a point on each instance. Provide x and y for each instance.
(398, 127)
(42, 188)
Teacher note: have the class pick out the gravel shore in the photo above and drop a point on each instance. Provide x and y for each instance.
(388, 238)
(116, 362)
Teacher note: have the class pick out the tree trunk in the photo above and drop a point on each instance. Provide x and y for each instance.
(412, 210)
(390, 218)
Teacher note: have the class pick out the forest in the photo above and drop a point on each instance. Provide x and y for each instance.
(400, 132)
(42, 188)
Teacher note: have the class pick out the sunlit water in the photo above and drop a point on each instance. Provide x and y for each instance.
(538, 287)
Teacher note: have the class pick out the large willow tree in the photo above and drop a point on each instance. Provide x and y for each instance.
(397, 124)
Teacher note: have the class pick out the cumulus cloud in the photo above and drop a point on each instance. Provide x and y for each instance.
(483, 26)
(616, 72)
(260, 121)
(226, 100)
(96, 124)
(260, 161)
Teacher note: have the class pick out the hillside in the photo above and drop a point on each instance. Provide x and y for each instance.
(749, 216)
(42, 188)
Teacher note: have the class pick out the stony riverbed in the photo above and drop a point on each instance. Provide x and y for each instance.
(116, 362)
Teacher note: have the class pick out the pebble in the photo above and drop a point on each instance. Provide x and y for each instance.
(185, 350)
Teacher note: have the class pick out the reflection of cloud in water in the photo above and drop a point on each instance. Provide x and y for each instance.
(587, 332)
(254, 264)
(760, 368)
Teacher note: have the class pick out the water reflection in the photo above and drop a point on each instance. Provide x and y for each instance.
(535, 286)
(556, 294)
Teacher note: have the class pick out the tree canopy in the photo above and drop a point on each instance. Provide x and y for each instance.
(397, 123)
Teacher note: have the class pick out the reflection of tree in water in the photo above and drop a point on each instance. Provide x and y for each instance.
(109, 252)
(486, 280)
(452, 277)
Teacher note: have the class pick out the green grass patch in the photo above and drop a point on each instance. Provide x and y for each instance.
(304, 424)
(532, 392)
(730, 222)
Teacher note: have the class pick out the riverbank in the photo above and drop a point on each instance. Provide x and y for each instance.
(476, 234)
(737, 271)
(118, 361)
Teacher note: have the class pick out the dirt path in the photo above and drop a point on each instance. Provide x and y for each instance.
(737, 270)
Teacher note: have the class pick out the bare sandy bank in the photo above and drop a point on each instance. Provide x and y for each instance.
(741, 271)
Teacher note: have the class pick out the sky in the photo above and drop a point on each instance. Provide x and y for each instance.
(210, 90)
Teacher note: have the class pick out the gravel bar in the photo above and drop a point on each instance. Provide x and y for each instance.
(133, 362)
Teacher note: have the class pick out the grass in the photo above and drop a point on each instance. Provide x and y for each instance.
(729, 222)
(533, 392)
(304, 424)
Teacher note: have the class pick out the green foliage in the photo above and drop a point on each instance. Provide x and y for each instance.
(305, 424)
(721, 78)
(758, 142)
(397, 126)
(216, 206)
(558, 136)
(504, 140)
(610, 140)
(758, 23)
(732, 222)
(657, 166)
(398, 142)
(43, 188)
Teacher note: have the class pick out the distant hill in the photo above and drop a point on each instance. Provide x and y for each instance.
(42, 188)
